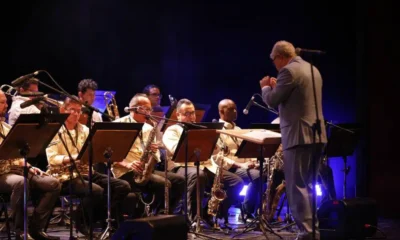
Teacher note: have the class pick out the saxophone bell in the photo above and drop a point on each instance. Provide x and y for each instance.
(111, 105)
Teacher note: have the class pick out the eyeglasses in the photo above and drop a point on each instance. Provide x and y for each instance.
(147, 110)
(155, 95)
(188, 114)
(73, 110)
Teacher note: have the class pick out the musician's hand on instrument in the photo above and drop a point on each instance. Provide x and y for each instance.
(248, 165)
(137, 167)
(154, 147)
(36, 171)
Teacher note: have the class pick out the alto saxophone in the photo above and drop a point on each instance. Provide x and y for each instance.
(149, 159)
(217, 193)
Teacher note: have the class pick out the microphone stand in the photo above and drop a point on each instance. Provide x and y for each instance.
(316, 129)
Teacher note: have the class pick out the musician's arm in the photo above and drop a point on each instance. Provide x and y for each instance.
(54, 158)
(171, 139)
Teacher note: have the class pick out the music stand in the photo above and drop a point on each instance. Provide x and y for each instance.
(200, 143)
(342, 142)
(200, 109)
(30, 135)
(266, 142)
(106, 141)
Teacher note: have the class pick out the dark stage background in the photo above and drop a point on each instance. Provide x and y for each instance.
(210, 51)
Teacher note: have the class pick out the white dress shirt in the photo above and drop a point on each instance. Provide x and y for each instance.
(170, 140)
(16, 110)
(6, 164)
(137, 149)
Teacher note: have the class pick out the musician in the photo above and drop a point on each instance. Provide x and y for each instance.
(243, 167)
(153, 93)
(232, 182)
(185, 112)
(87, 94)
(74, 135)
(131, 165)
(12, 182)
(293, 92)
(29, 85)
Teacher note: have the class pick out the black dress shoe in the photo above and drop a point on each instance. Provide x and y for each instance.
(20, 236)
(40, 235)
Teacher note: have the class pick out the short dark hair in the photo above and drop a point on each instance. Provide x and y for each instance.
(27, 83)
(86, 84)
(146, 90)
(183, 101)
(68, 101)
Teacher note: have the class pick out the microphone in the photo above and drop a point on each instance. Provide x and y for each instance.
(31, 94)
(129, 109)
(251, 102)
(214, 120)
(300, 51)
(21, 79)
(172, 100)
(30, 102)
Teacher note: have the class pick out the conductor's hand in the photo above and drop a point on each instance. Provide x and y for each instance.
(268, 81)
(137, 167)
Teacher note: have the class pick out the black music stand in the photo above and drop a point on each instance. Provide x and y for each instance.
(200, 144)
(342, 142)
(30, 135)
(200, 109)
(105, 138)
(257, 143)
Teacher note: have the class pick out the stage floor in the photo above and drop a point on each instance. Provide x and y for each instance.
(390, 227)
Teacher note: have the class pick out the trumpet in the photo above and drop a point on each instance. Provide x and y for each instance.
(12, 92)
(9, 90)
(111, 105)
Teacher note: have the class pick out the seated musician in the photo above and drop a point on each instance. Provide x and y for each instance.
(74, 135)
(243, 167)
(185, 111)
(87, 94)
(153, 93)
(29, 85)
(132, 166)
(12, 182)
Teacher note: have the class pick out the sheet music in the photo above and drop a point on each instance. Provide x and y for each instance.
(262, 134)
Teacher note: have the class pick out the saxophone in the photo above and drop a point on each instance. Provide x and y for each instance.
(272, 196)
(62, 173)
(217, 193)
(111, 105)
(148, 158)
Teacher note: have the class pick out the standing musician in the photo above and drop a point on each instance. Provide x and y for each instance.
(87, 94)
(185, 112)
(12, 181)
(29, 85)
(293, 92)
(74, 135)
(132, 166)
(245, 168)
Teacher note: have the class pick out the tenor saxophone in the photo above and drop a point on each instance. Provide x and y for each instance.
(271, 197)
(217, 193)
(149, 159)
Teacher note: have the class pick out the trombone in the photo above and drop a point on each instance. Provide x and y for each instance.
(12, 92)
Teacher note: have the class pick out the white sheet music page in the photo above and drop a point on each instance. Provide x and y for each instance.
(261, 134)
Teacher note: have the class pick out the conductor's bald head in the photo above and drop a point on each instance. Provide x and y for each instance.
(227, 110)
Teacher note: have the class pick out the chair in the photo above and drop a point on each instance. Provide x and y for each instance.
(4, 198)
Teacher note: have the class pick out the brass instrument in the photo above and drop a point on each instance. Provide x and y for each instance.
(111, 105)
(9, 90)
(12, 92)
(148, 158)
(62, 173)
(217, 193)
(272, 196)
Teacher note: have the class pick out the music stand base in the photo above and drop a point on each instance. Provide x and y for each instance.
(108, 231)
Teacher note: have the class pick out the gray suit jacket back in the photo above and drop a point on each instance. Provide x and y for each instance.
(295, 98)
